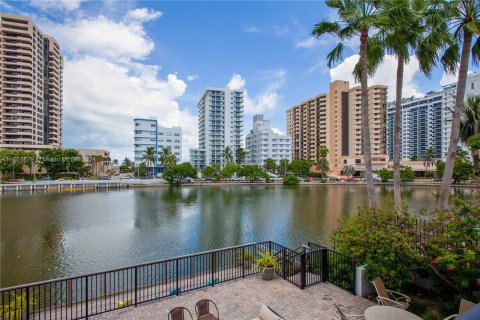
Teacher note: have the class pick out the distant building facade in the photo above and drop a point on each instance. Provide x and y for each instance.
(97, 159)
(31, 82)
(426, 121)
(220, 124)
(333, 119)
(148, 133)
(262, 143)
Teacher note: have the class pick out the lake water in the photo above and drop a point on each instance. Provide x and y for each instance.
(48, 235)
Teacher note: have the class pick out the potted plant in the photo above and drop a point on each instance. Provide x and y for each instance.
(267, 264)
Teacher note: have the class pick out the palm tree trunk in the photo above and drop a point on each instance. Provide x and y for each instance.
(365, 123)
(452, 147)
(398, 127)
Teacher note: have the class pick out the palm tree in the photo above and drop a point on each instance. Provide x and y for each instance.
(401, 26)
(92, 162)
(166, 158)
(240, 156)
(227, 155)
(149, 156)
(322, 162)
(349, 171)
(464, 17)
(269, 164)
(429, 158)
(356, 18)
(115, 162)
(470, 125)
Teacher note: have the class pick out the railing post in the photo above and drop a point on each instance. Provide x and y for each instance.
(284, 263)
(136, 286)
(86, 297)
(176, 276)
(214, 261)
(324, 265)
(243, 262)
(270, 246)
(28, 303)
(303, 270)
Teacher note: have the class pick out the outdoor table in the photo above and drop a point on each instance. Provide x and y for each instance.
(390, 313)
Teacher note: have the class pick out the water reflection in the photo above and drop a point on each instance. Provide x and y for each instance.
(49, 235)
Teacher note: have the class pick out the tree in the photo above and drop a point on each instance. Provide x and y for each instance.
(322, 161)
(240, 155)
(463, 16)
(174, 175)
(149, 156)
(229, 170)
(429, 158)
(141, 170)
(283, 166)
(252, 172)
(269, 164)
(470, 124)
(414, 158)
(56, 161)
(385, 174)
(356, 18)
(115, 162)
(348, 171)
(11, 161)
(127, 165)
(227, 155)
(401, 29)
(166, 158)
(291, 180)
(210, 172)
(462, 168)
(300, 166)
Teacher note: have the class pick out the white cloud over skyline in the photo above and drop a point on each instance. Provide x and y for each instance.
(385, 75)
(60, 5)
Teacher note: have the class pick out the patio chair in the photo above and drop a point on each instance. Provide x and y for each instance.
(179, 313)
(202, 309)
(267, 313)
(344, 316)
(465, 305)
(389, 297)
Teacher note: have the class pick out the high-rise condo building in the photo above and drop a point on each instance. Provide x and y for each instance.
(426, 121)
(333, 119)
(148, 133)
(31, 81)
(262, 143)
(220, 124)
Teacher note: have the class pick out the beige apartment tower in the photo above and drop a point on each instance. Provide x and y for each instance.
(333, 119)
(31, 82)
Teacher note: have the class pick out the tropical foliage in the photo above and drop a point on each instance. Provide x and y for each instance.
(252, 172)
(56, 161)
(240, 155)
(211, 172)
(229, 170)
(348, 171)
(166, 158)
(227, 155)
(269, 165)
(12, 161)
(291, 180)
(424, 248)
(283, 165)
(300, 166)
(322, 161)
(175, 174)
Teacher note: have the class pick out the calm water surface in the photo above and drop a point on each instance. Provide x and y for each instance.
(51, 235)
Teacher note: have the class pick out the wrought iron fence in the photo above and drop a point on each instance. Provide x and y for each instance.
(92, 294)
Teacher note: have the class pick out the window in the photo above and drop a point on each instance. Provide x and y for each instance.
(472, 86)
(152, 125)
(169, 133)
(177, 134)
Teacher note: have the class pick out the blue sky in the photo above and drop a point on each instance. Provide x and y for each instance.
(127, 59)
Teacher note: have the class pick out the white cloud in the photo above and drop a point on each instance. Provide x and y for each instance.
(102, 98)
(142, 15)
(236, 82)
(268, 99)
(63, 5)
(100, 36)
(449, 78)
(106, 85)
(310, 43)
(385, 75)
(277, 131)
(251, 29)
(192, 77)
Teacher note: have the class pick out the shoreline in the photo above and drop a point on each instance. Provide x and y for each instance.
(120, 184)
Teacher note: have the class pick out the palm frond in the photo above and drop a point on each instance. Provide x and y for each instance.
(451, 57)
(325, 27)
(335, 55)
(476, 52)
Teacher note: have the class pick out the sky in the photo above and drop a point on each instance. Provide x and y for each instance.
(135, 59)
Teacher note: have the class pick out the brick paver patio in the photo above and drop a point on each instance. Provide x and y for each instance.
(241, 299)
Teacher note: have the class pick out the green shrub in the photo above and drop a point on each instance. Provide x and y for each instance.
(417, 306)
(291, 180)
(431, 315)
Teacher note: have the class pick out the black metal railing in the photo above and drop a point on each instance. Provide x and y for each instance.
(83, 296)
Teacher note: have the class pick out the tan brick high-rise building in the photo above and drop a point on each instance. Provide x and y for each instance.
(31, 83)
(333, 119)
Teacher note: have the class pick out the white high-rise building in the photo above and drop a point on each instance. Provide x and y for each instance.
(427, 121)
(220, 124)
(148, 133)
(262, 143)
